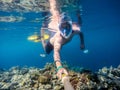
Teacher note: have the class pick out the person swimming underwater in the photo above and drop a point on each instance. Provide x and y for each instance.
(65, 29)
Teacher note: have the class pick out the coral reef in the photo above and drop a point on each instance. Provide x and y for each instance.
(32, 78)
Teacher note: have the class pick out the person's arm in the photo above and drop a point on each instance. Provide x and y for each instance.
(60, 69)
(79, 24)
(79, 18)
(55, 15)
(82, 45)
(57, 47)
(76, 29)
(53, 8)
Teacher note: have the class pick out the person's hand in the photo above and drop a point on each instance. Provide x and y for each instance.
(60, 72)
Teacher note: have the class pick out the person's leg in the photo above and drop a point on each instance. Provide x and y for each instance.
(48, 47)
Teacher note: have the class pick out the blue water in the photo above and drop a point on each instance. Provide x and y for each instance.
(101, 27)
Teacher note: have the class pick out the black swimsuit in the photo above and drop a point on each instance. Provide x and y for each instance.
(48, 47)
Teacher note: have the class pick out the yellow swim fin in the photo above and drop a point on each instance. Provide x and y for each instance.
(36, 38)
(46, 36)
(33, 37)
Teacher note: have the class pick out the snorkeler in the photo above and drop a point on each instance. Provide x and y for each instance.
(64, 30)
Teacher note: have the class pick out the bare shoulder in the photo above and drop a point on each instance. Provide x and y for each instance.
(75, 27)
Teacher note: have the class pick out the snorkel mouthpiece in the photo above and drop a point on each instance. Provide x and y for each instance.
(65, 33)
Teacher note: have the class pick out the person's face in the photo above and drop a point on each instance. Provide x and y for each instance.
(65, 25)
